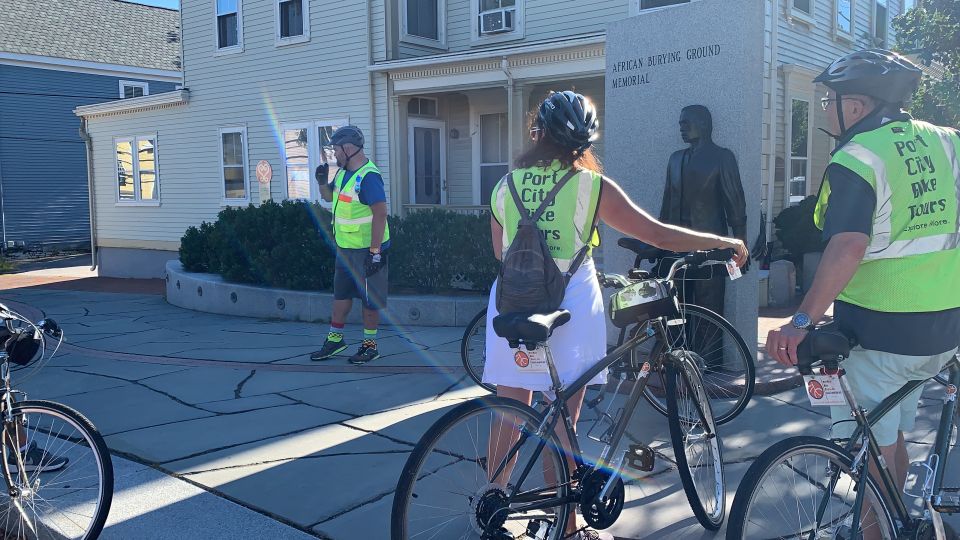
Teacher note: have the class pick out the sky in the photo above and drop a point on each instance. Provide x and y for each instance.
(175, 4)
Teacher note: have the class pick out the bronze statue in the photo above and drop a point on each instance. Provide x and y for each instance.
(704, 193)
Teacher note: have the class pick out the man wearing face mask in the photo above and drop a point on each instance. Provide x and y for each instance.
(888, 208)
(363, 239)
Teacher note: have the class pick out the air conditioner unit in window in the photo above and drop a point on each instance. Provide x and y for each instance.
(495, 22)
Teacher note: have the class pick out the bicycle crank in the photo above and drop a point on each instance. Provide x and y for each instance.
(598, 513)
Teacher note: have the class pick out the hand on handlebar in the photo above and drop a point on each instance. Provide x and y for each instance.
(740, 252)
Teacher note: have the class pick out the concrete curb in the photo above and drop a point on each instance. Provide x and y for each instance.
(211, 294)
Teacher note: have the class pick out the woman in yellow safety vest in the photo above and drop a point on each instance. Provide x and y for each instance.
(563, 130)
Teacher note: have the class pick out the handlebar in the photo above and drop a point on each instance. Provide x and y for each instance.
(700, 258)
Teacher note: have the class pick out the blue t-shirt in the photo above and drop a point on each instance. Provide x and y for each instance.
(371, 191)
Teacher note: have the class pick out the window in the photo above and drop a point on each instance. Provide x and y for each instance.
(305, 145)
(229, 26)
(293, 21)
(296, 160)
(137, 169)
(497, 16)
(423, 22)
(880, 23)
(908, 5)
(799, 143)
(494, 160)
(422, 107)
(653, 4)
(801, 11)
(233, 163)
(845, 17)
(131, 89)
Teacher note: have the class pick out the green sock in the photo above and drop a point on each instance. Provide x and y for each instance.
(335, 335)
(370, 336)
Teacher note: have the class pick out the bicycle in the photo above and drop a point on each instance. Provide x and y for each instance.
(450, 474)
(729, 373)
(823, 488)
(55, 465)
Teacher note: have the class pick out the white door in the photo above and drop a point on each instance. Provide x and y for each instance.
(427, 158)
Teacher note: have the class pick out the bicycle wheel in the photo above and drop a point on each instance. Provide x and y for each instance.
(725, 363)
(473, 349)
(801, 488)
(696, 443)
(62, 479)
(444, 491)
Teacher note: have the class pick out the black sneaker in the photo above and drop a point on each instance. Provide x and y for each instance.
(35, 459)
(368, 351)
(329, 349)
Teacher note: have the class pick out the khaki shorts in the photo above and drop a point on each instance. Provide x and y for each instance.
(874, 376)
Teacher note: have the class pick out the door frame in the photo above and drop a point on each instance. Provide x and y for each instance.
(412, 124)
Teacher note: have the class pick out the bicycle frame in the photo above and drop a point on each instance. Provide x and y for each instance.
(864, 433)
(558, 409)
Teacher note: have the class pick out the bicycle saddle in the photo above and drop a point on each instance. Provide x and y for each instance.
(529, 327)
(824, 343)
(642, 249)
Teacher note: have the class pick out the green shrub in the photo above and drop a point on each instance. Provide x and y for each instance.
(796, 231)
(430, 250)
(289, 245)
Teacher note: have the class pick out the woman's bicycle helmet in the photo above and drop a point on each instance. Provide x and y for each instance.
(878, 73)
(569, 119)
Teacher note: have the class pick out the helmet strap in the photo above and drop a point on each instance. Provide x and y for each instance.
(350, 157)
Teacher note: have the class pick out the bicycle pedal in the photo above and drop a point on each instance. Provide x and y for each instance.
(640, 457)
(947, 501)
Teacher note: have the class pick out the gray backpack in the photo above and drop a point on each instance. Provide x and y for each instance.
(530, 280)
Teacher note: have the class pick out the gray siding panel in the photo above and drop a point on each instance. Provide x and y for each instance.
(42, 157)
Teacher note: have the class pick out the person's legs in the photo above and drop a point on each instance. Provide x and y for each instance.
(503, 435)
(373, 293)
(344, 290)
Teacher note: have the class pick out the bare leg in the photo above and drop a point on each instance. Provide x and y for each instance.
(371, 319)
(341, 308)
(895, 457)
(503, 435)
(574, 404)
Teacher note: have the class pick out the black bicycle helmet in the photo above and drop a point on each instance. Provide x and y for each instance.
(347, 135)
(570, 120)
(878, 73)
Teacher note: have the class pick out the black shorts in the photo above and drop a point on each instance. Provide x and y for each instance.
(350, 281)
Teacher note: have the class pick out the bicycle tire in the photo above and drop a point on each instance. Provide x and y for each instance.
(761, 474)
(729, 392)
(708, 501)
(29, 411)
(405, 492)
(471, 347)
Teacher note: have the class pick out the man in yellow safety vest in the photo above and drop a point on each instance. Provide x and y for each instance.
(363, 239)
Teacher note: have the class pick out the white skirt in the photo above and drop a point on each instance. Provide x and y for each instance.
(576, 346)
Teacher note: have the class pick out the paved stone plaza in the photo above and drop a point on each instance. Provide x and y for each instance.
(222, 428)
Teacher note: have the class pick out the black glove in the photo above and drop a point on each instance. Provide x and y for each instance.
(374, 263)
(322, 174)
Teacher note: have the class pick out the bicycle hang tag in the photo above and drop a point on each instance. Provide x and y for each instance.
(530, 361)
(824, 390)
(733, 270)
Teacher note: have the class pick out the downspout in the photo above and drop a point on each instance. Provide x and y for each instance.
(505, 66)
(3, 215)
(370, 82)
(88, 143)
(772, 157)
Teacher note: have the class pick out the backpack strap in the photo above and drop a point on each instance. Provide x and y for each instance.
(553, 194)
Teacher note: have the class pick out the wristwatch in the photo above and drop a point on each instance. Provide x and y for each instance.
(801, 321)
